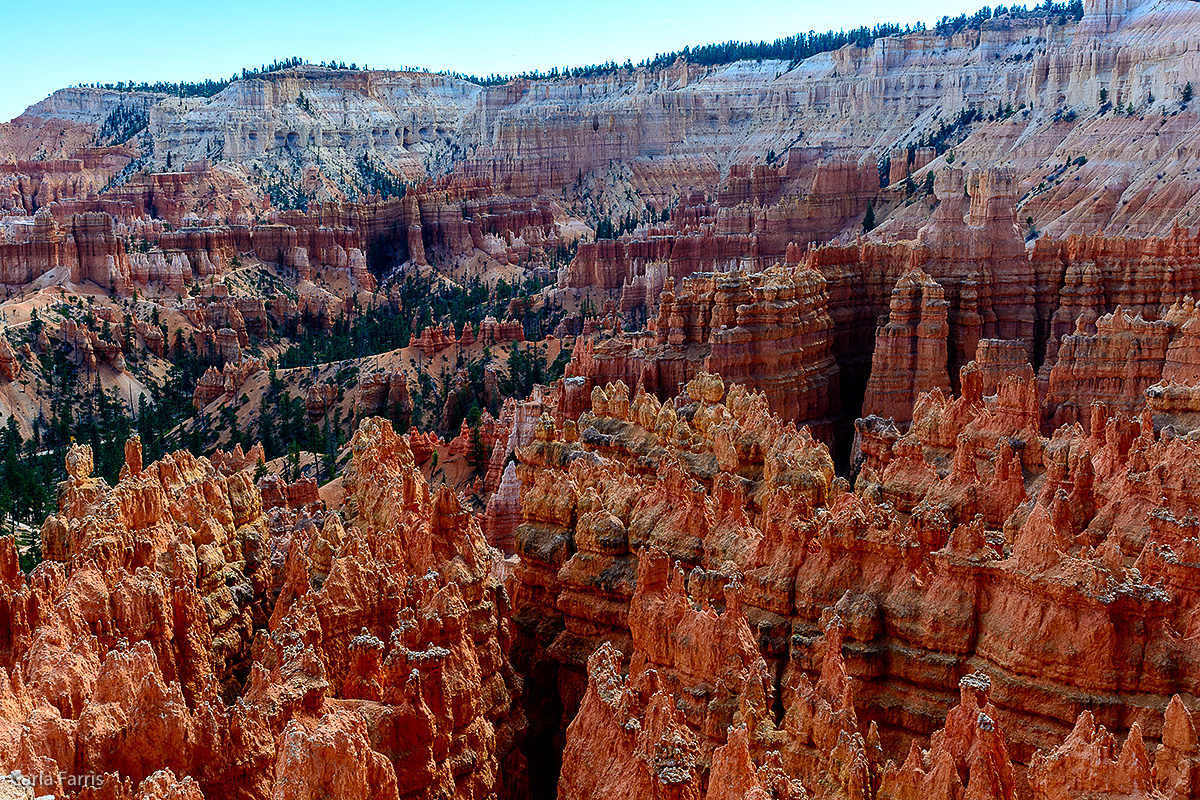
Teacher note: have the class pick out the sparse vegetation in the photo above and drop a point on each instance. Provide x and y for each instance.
(376, 179)
(209, 87)
(124, 122)
(792, 49)
(286, 196)
(947, 133)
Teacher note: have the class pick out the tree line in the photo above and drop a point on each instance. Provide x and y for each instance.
(793, 49)
(210, 87)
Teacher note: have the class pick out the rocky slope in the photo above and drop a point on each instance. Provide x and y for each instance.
(189, 633)
(699, 607)
(820, 509)
(764, 613)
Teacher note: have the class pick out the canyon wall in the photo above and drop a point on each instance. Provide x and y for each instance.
(1093, 316)
(665, 134)
(706, 550)
(873, 511)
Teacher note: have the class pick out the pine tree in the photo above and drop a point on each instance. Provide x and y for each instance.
(869, 219)
(477, 455)
(266, 428)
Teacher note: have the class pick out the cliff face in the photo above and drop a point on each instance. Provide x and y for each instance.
(819, 510)
(689, 127)
(820, 196)
(732, 604)
(913, 345)
(903, 317)
(767, 330)
(346, 113)
(528, 137)
(516, 172)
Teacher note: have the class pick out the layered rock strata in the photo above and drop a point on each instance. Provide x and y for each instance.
(956, 554)
(768, 330)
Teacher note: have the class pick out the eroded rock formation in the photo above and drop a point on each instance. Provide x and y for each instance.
(185, 625)
(664, 582)
(707, 521)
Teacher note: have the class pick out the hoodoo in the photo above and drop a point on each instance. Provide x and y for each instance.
(815, 419)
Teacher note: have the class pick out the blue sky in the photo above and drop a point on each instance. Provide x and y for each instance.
(57, 43)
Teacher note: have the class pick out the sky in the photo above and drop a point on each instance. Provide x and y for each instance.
(58, 43)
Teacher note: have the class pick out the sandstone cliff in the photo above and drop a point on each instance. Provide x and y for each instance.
(953, 557)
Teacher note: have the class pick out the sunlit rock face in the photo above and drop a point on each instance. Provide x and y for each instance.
(873, 472)
(191, 634)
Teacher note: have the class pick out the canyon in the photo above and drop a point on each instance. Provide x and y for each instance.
(779, 428)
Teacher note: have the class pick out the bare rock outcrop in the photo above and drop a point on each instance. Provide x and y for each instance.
(378, 667)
